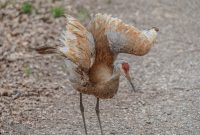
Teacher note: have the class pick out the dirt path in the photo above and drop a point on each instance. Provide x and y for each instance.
(38, 100)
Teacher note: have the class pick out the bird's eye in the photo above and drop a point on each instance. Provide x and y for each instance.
(125, 66)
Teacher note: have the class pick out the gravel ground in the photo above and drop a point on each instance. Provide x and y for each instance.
(37, 99)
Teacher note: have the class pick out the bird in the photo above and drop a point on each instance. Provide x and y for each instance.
(90, 55)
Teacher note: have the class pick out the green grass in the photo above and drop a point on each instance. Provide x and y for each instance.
(26, 8)
(83, 14)
(57, 11)
(28, 70)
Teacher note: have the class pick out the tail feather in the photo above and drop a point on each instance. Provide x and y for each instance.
(46, 50)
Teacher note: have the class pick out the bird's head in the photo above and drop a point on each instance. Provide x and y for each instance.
(122, 67)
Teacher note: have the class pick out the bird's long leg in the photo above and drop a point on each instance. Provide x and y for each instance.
(97, 112)
(82, 113)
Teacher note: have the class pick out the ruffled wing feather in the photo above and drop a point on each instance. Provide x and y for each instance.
(122, 37)
(78, 44)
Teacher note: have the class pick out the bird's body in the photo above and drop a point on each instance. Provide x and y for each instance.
(91, 54)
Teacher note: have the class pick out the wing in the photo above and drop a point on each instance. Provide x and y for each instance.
(78, 44)
(123, 38)
(79, 50)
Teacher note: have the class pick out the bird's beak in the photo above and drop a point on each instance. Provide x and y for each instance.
(130, 81)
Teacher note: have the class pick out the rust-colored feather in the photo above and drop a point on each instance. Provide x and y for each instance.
(78, 43)
(121, 37)
(91, 52)
(112, 37)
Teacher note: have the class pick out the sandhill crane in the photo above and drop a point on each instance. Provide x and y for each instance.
(90, 55)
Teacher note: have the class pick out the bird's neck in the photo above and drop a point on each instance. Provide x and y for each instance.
(115, 74)
(103, 73)
(108, 86)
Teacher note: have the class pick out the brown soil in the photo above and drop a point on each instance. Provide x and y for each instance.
(36, 98)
